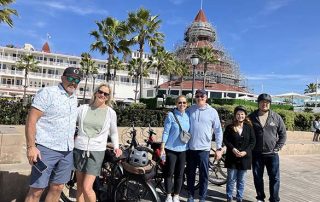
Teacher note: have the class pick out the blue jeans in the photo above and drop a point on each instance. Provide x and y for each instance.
(198, 158)
(235, 176)
(271, 162)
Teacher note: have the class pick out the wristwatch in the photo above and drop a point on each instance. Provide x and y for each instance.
(220, 149)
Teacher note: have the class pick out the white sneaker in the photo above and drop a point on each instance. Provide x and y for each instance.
(259, 201)
(176, 198)
(169, 198)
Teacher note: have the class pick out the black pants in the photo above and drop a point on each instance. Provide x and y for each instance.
(174, 166)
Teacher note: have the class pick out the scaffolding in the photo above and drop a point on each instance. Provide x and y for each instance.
(202, 34)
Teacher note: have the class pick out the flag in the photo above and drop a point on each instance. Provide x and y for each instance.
(48, 36)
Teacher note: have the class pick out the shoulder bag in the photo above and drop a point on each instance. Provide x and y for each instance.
(184, 135)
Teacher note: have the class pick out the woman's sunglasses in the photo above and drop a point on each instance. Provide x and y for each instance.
(71, 79)
(104, 93)
(182, 103)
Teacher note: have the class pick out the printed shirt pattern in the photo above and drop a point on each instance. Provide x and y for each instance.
(55, 129)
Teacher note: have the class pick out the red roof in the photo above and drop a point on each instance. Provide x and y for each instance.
(201, 17)
(187, 85)
(46, 48)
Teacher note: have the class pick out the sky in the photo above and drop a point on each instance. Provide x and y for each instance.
(275, 42)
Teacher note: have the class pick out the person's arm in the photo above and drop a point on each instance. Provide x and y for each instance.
(252, 140)
(166, 130)
(281, 133)
(217, 130)
(114, 133)
(30, 130)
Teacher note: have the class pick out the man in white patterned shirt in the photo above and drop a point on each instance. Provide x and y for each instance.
(50, 131)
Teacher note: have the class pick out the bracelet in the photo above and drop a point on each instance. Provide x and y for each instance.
(30, 146)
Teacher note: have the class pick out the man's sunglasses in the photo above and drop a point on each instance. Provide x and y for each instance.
(71, 79)
(199, 96)
(104, 93)
(182, 103)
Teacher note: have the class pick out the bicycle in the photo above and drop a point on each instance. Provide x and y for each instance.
(133, 186)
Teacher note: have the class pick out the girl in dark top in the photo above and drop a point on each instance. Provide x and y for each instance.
(240, 139)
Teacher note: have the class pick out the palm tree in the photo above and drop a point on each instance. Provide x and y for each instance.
(27, 62)
(311, 88)
(163, 61)
(110, 38)
(88, 67)
(5, 13)
(145, 28)
(116, 64)
(134, 68)
(181, 68)
(206, 56)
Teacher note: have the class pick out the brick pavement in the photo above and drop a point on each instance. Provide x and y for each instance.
(300, 181)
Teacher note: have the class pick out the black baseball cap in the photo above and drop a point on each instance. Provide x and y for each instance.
(73, 72)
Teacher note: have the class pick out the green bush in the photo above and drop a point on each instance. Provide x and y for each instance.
(151, 103)
(288, 118)
(303, 121)
(13, 112)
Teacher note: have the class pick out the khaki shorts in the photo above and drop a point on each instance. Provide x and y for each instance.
(90, 165)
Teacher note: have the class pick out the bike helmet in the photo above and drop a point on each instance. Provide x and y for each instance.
(240, 108)
(138, 158)
(264, 96)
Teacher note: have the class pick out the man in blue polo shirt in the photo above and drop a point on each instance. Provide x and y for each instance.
(50, 131)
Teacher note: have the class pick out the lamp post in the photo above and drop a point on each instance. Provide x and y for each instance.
(194, 61)
(94, 76)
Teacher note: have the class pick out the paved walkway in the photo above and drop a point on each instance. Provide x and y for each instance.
(300, 181)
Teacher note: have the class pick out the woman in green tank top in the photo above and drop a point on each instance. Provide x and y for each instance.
(96, 122)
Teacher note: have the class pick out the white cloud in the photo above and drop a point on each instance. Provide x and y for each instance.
(274, 5)
(40, 24)
(272, 76)
(176, 2)
(80, 10)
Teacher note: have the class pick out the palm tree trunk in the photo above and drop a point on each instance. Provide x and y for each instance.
(25, 87)
(84, 90)
(157, 86)
(181, 85)
(114, 81)
(204, 76)
(141, 70)
(136, 92)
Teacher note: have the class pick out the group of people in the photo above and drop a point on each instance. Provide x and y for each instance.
(50, 136)
(251, 140)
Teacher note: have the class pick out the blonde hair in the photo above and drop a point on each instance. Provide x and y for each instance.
(109, 98)
(181, 96)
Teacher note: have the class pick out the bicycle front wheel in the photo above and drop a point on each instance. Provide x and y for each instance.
(217, 171)
(135, 189)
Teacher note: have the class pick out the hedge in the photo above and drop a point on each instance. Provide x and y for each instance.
(14, 113)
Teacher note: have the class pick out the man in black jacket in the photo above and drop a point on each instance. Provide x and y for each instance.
(271, 135)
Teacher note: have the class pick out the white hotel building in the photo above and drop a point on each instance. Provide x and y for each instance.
(51, 67)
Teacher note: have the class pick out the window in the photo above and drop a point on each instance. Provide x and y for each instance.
(125, 79)
(149, 93)
(215, 95)
(19, 82)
